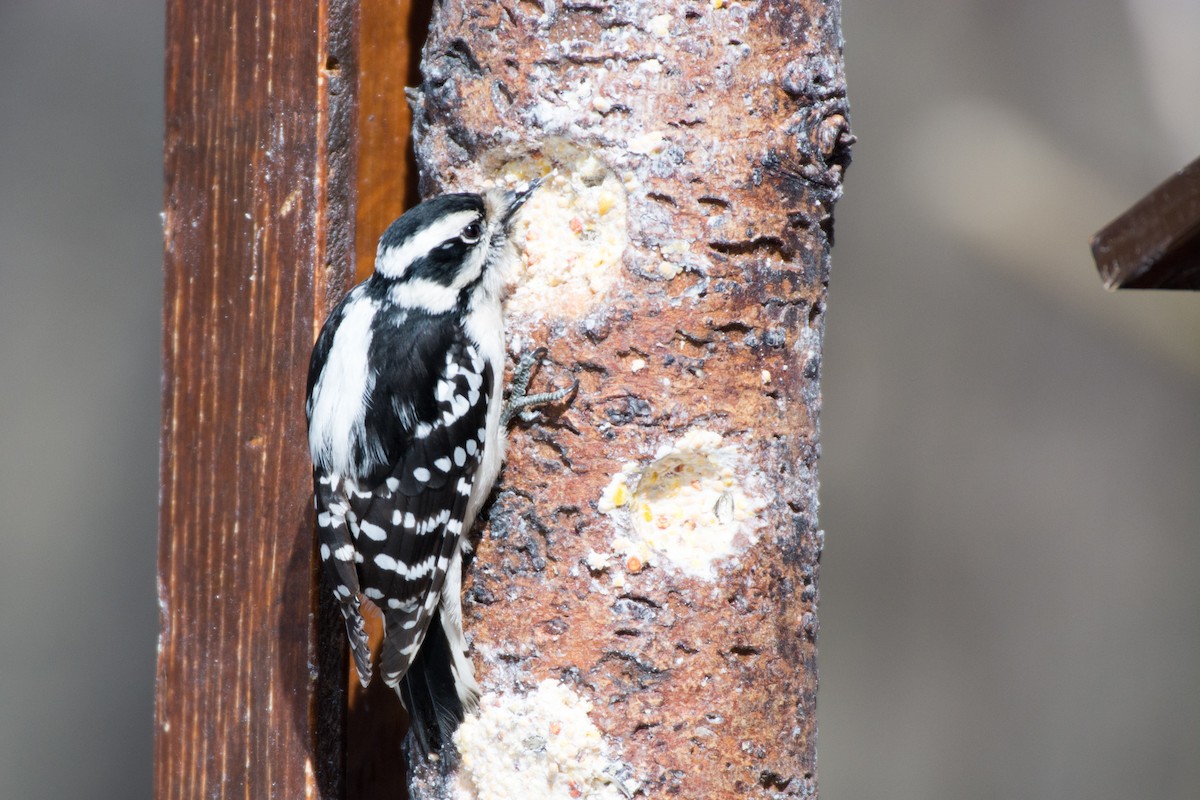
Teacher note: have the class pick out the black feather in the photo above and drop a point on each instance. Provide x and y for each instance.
(422, 216)
(428, 692)
(409, 357)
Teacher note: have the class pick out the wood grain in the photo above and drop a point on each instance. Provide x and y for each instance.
(258, 240)
(1156, 243)
(392, 33)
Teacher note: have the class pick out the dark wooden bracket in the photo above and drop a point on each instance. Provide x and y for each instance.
(1156, 243)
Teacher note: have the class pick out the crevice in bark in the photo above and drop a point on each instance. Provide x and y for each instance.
(771, 245)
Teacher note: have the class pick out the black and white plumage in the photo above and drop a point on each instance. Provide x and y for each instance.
(406, 437)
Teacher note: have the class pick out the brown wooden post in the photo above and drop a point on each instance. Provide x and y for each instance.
(643, 605)
(391, 35)
(259, 242)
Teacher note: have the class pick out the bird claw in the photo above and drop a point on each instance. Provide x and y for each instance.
(519, 402)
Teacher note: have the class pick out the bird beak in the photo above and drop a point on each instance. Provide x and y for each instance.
(517, 199)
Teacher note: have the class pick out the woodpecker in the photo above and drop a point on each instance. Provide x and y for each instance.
(406, 429)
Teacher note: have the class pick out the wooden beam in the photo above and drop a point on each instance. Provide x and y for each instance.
(1156, 243)
(391, 33)
(258, 242)
(389, 58)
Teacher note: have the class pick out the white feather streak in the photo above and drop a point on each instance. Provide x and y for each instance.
(395, 261)
(340, 396)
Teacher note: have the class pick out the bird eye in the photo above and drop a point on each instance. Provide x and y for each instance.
(472, 232)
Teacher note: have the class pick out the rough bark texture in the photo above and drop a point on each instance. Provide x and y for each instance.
(724, 126)
(258, 234)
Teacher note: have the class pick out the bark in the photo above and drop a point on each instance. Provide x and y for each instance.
(653, 548)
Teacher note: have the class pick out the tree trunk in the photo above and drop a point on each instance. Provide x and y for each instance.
(643, 605)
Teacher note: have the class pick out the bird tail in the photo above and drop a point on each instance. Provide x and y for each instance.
(439, 687)
(430, 692)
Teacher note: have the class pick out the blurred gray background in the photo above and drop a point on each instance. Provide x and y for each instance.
(1010, 455)
(80, 292)
(1010, 472)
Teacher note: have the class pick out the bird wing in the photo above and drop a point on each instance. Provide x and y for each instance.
(339, 554)
(407, 526)
(332, 505)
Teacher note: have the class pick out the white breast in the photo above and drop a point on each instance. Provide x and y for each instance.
(485, 326)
